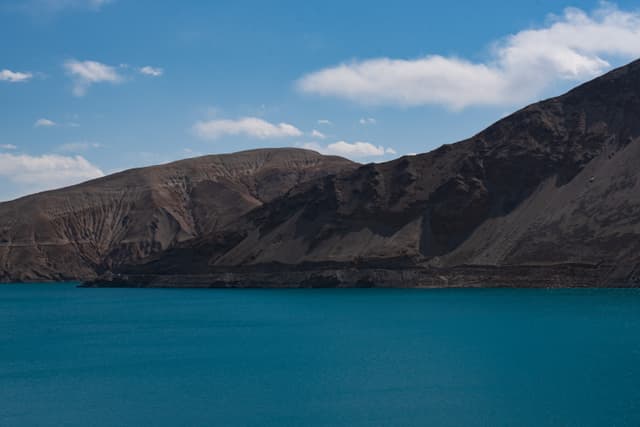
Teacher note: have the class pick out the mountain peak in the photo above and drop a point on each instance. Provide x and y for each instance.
(552, 184)
(75, 232)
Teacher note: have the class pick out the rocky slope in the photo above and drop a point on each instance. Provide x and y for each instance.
(81, 231)
(555, 184)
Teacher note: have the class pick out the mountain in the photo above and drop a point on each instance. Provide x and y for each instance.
(548, 196)
(78, 232)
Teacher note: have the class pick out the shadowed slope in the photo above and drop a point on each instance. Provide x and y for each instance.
(75, 232)
(555, 183)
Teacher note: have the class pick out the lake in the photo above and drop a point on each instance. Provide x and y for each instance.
(362, 357)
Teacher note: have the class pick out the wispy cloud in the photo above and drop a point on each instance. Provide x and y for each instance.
(8, 147)
(575, 46)
(44, 123)
(368, 121)
(78, 147)
(15, 76)
(86, 73)
(38, 173)
(351, 150)
(191, 152)
(317, 134)
(53, 6)
(248, 126)
(324, 122)
(91, 3)
(151, 71)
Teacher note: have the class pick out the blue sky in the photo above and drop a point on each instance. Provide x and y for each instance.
(89, 87)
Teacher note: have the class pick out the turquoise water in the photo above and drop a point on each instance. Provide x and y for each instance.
(135, 357)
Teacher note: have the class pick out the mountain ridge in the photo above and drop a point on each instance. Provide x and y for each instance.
(545, 186)
(80, 231)
(547, 196)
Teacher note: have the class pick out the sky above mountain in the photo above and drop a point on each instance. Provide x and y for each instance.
(90, 87)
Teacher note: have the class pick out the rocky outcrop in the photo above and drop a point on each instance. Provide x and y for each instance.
(357, 275)
(555, 183)
(81, 231)
(548, 196)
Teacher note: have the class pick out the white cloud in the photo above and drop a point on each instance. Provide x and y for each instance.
(356, 149)
(368, 121)
(324, 122)
(78, 147)
(352, 150)
(575, 46)
(86, 73)
(44, 123)
(8, 147)
(317, 134)
(151, 71)
(38, 173)
(14, 76)
(249, 126)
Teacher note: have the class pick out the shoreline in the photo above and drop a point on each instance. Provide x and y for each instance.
(469, 276)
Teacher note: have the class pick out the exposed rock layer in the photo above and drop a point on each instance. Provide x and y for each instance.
(549, 196)
(81, 231)
(555, 183)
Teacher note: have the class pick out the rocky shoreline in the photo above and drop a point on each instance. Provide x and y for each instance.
(550, 276)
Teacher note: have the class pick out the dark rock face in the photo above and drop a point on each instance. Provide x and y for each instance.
(555, 183)
(81, 231)
(549, 196)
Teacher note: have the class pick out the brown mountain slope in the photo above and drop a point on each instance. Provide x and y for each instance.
(75, 232)
(554, 183)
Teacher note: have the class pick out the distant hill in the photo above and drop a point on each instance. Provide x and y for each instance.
(548, 196)
(81, 231)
